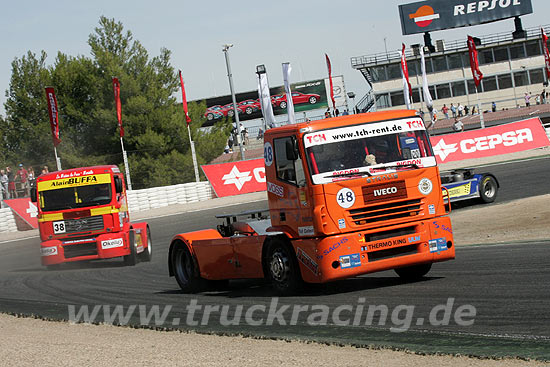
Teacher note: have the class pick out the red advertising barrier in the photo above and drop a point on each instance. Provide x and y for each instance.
(502, 139)
(25, 209)
(236, 178)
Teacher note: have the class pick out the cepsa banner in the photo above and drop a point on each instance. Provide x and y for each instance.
(236, 178)
(502, 139)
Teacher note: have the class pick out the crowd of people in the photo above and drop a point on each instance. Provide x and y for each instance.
(233, 138)
(18, 184)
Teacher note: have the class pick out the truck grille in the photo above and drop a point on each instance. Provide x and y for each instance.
(384, 212)
(84, 224)
(392, 252)
(81, 249)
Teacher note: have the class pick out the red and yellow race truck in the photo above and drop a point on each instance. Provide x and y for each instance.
(83, 215)
(347, 196)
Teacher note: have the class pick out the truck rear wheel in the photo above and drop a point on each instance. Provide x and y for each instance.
(131, 258)
(185, 270)
(414, 272)
(282, 268)
(147, 253)
(488, 189)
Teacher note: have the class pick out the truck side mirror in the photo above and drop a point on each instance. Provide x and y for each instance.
(291, 147)
(118, 184)
(33, 194)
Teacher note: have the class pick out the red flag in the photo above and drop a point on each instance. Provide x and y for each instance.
(187, 118)
(474, 64)
(116, 89)
(330, 81)
(546, 54)
(54, 116)
(405, 69)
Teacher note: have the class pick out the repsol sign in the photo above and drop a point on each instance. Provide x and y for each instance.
(433, 15)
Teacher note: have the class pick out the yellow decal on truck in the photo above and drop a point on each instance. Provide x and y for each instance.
(101, 178)
(461, 190)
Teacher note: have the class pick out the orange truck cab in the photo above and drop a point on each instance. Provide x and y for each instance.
(83, 215)
(347, 196)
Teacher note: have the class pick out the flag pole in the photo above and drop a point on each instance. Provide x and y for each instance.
(126, 166)
(57, 160)
(194, 156)
(480, 110)
(188, 120)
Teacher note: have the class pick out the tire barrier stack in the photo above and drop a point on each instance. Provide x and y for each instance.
(158, 197)
(7, 221)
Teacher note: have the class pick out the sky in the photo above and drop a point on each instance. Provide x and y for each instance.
(262, 32)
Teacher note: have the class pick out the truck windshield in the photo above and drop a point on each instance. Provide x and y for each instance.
(75, 197)
(368, 149)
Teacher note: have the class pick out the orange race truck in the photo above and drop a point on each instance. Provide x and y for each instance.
(347, 196)
(83, 215)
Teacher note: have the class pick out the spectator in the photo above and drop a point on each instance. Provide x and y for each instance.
(445, 111)
(473, 110)
(246, 140)
(23, 175)
(527, 99)
(458, 126)
(327, 114)
(11, 183)
(543, 96)
(45, 170)
(537, 99)
(31, 179)
(460, 109)
(230, 143)
(494, 107)
(336, 113)
(345, 113)
(466, 110)
(260, 134)
(453, 110)
(4, 184)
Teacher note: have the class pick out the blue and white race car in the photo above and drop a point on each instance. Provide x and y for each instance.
(463, 184)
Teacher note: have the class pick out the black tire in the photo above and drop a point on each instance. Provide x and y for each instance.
(282, 268)
(186, 270)
(210, 117)
(230, 113)
(248, 110)
(312, 100)
(131, 258)
(414, 272)
(147, 253)
(488, 189)
(282, 105)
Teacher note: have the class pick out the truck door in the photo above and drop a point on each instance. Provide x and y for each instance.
(287, 193)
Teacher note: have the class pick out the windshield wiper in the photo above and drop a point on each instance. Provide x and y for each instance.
(413, 165)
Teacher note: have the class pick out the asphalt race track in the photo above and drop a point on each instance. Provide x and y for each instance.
(507, 285)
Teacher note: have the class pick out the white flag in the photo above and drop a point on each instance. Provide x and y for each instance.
(265, 100)
(289, 103)
(425, 89)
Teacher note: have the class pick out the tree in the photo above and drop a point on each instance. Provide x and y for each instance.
(155, 130)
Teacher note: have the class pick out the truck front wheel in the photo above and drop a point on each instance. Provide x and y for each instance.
(147, 253)
(185, 270)
(131, 258)
(414, 272)
(283, 269)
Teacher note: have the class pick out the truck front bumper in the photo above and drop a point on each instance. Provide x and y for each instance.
(103, 246)
(357, 253)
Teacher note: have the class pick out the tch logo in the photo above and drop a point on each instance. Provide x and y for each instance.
(443, 150)
(424, 16)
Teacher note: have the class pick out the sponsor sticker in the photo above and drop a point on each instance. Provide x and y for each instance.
(306, 231)
(108, 244)
(275, 189)
(341, 223)
(350, 261)
(437, 245)
(425, 186)
(431, 209)
(461, 190)
(48, 251)
(307, 261)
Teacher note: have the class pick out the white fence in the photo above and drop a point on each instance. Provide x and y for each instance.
(139, 200)
(7, 221)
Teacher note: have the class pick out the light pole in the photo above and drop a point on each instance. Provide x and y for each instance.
(225, 50)
(352, 96)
